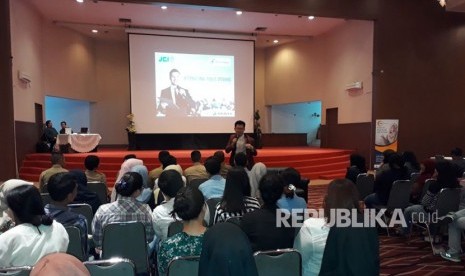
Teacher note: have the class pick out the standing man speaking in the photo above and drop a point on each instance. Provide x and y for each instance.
(241, 142)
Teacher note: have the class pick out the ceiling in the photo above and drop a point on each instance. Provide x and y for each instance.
(105, 17)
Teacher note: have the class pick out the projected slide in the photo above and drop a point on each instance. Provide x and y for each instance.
(194, 85)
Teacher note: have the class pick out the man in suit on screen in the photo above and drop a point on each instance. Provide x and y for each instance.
(176, 100)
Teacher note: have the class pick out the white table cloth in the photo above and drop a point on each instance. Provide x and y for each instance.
(79, 142)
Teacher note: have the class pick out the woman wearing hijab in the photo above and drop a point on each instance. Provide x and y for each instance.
(426, 172)
(5, 221)
(126, 167)
(226, 251)
(59, 264)
(146, 195)
(35, 234)
(83, 194)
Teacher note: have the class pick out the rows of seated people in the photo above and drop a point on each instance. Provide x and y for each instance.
(428, 179)
(247, 206)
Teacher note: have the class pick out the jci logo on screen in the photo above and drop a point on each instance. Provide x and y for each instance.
(164, 59)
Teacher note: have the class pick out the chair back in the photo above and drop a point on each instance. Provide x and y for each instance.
(174, 228)
(46, 199)
(196, 182)
(100, 189)
(365, 184)
(414, 177)
(113, 267)
(428, 183)
(399, 196)
(211, 203)
(448, 201)
(16, 270)
(85, 210)
(181, 266)
(126, 240)
(75, 246)
(278, 262)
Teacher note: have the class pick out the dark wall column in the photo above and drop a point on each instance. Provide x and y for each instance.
(7, 137)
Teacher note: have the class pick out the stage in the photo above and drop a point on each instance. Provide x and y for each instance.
(313, 163)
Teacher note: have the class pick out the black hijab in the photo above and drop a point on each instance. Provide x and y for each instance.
(226, 251)
(83, 194)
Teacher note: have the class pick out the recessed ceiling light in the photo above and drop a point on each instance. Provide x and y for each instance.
(95, 31)
(80, 1)
(164, 7)
(311, 17)
(275, 41)
(238, 12)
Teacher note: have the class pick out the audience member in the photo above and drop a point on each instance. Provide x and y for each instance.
(50, 134)
(226, 251)
(155, 173)
(446, 178)
(126, 166)
(241, 142)
(261, 225)
(457, 158)
(311, 239)
(240, 160)
(255, 175)
(236, 200)
(58, 264)
(219, 154)
(83, 193)
(384, 180)
(357, 166)
(411, 162)
(197, 170)
(170, 182)
(129, 156)
(213, 187)
(146, 195)
(6, 222)
(35, 234)
(385, 164)
(289, 200)
(427, 170)
(91, 163)
(456, 227)
(188, 206)
(58, 162)
(125, 209)
(62, 188)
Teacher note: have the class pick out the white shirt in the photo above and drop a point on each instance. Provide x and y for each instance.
(161, 219)
(240, 144)
(311, 242)
(25, 245)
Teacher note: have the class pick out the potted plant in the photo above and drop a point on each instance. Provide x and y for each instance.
(131, 130)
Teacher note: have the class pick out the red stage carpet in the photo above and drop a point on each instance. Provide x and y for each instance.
(313, 163)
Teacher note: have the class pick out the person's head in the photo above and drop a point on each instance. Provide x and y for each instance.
(62, 187)
(448, 173)
(396, 161)
(271, 189)
(169, 160)
(219, 154)
(196, 156)
(290, 177)
(162, 155)
(91, 162)
(174, 76)
(240, 159)
(428, 166)
(341, 194)
(26, 206)
(57, 158)
(239, 127)
(236, 188)
(80, 177)
(63, 124)
(358, 161)
(129, 156)
(130, 185)
(5, 188)
(170, 182)
(59, 264)
(188, 204)
(387, 154)
(142, 170)
(456, 153)
(212, 165)
(409, 157)
(48, 123)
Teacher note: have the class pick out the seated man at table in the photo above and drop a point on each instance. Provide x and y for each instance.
(50, 134)
(58, 162)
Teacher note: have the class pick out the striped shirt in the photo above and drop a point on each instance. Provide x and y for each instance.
(251, 203)
(124, 209)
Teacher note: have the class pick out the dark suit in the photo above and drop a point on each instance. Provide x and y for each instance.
(231, 147)
(181, 105)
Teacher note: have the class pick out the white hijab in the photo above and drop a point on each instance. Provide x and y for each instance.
(4, 189)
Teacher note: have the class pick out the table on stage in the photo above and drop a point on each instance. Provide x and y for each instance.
(79, 142)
